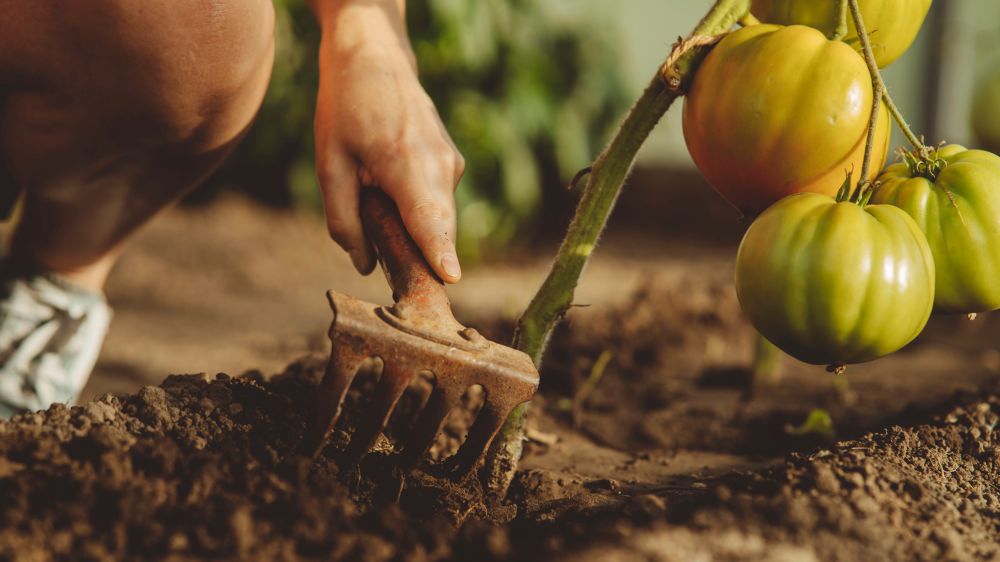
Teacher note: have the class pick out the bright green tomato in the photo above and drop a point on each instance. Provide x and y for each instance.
(892, 24)
(833, 283)
(779, 110)
(959, 212)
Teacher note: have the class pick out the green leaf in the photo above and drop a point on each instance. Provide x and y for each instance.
(818, 422)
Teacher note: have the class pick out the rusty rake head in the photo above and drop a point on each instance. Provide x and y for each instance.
(417, 334)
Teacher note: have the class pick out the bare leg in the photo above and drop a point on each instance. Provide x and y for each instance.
(109, 111)
(112, 109)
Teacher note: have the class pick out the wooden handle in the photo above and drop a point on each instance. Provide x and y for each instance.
(413, 281)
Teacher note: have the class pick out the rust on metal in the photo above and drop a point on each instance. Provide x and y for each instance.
(417, 334)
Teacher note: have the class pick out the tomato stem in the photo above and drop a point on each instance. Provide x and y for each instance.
(878, 85)
(748, 19)
(840, 31)
(897, 115)
(555, 296)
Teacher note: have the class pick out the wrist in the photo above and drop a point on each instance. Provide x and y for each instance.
(330, 14)
(376, 27)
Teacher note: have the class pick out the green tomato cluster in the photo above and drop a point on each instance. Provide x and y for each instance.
(837, 282)
(845, 279)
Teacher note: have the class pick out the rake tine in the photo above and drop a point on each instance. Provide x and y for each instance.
(478, 441)
(340, 373)
(391, 386)
(427, 427)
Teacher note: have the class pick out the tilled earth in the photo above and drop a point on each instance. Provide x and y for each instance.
(675, 453)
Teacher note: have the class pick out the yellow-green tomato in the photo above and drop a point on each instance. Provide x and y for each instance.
(956, 203)
(778, 110)
(835, 283)
(892, 24)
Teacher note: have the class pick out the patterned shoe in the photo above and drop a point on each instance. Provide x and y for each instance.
(51, 332)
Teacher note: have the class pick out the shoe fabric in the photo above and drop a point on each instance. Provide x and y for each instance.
(51, 333)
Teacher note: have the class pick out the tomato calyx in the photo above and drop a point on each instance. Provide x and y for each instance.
(926, 163)
(860, 195)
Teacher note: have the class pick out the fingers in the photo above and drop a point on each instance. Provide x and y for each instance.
(338, 178)
(422, 183)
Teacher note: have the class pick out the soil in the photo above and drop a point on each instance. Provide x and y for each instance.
(676, 453)
(206, 467)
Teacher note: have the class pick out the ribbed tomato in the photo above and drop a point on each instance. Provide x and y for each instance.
(892, 24)
(956, 202)
(835, 283)
(778, 110)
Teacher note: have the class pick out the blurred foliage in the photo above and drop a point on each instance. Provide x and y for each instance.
(527, 88)
(985, 117)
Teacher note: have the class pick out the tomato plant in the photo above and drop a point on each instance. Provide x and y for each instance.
(834, 282)
(778, 110)
(892, 24)
(955, 199)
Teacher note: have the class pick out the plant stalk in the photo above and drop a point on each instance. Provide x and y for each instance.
(897, 115)
(767, 359)
(608, 173)
(840, 30)
(878, 85)
(878, 89)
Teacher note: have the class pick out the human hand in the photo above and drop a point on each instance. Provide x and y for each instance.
(376, 126)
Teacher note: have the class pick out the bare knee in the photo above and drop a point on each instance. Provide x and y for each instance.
(211, 62)
(184, 71)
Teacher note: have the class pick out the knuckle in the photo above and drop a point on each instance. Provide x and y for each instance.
(459, 166)
(431, 213)
(427, 210)
(448, 157)
(326, 173)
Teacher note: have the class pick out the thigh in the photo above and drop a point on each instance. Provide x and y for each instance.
(111, 109)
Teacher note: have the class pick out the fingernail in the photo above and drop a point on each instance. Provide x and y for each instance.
(449, 263)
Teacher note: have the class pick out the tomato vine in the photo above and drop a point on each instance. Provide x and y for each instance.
(840, 31)
(882, 93)
(878, 89)
(603, 185)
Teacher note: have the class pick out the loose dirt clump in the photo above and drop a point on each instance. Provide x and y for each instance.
(199, 468)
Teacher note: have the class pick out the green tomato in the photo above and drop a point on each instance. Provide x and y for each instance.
(956, 203)
(892, 25)
(835, 283)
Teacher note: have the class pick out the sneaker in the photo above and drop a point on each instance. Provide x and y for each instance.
(51, 333)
